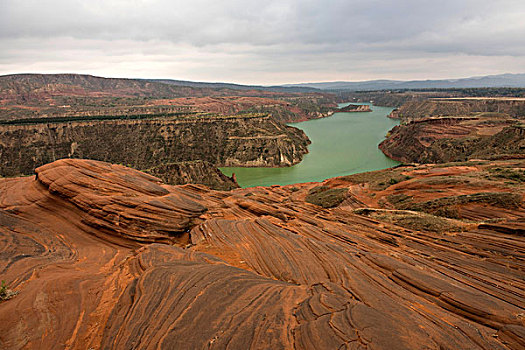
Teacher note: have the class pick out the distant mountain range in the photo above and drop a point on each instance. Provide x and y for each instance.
(501, 80)
(178, 88)
(24, 88)
(232, 86)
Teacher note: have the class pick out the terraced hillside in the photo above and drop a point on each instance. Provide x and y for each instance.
(449, 139)
(414, 110)
(25, 96)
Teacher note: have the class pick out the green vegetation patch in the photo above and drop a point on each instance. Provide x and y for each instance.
(414, 220)
(326, 197)
(399, 199)
(378, 180)
(465, 163)
(5, 292)
(92, 117)
(517, 175)
(447, 206)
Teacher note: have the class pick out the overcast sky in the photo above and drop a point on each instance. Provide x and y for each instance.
(265, 41)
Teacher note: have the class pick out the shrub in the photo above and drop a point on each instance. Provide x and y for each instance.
(393, 181)
(5, 292)
(325, 197)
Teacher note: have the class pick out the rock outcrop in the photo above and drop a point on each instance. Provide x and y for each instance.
(193, 172)
(246, 140)
(106, 257)
(449, 139)
(355, 108)
(473, 192)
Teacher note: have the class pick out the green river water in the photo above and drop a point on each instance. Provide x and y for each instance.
(343, 144)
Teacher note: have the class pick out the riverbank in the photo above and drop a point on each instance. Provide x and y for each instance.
(342, 144)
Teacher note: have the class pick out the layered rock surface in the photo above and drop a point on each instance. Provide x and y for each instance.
(247, 140)
(27, 96)
(414, 110)
(449, 139)
(104, 256)
(196, 172)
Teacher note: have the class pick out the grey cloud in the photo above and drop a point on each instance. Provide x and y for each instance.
(270, 36)
(202, 22)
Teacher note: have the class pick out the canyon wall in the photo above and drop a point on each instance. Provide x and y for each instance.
(439, 140)
(247, 140)
(378, 98)
(412, 110)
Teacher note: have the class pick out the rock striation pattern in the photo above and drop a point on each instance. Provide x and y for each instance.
(246, 140)
(450, 139)
(414, 110)
(196, 172)
(107, 257)
(28, 96)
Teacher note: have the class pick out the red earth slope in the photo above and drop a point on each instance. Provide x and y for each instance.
(104, 256)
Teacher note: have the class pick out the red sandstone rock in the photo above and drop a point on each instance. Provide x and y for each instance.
(106, 257)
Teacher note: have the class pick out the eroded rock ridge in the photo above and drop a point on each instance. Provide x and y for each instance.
(104, 256)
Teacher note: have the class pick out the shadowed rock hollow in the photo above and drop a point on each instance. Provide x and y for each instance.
(106, 257)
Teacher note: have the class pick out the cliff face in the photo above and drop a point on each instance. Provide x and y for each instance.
(103, 256)
(251, 140)
(398, 97)
(413, 110)
(378, 98)
(356, 108)
(294, 114)
(439, 140)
